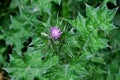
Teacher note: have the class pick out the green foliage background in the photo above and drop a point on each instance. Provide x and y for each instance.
(87, 50)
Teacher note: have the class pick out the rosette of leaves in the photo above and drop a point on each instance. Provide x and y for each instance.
(82, 47)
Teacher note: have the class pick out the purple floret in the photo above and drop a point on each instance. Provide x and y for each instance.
(55, 33)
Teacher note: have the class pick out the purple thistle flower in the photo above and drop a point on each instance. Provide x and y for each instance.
(55, 33)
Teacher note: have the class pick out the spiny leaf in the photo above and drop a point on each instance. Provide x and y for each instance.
(31, 67)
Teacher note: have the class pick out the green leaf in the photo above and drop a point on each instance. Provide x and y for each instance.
(98, 60)
(32, 66)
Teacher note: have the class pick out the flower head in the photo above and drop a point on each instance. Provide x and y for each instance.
(55, 33)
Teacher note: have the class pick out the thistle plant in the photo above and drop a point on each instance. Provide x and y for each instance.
(58, 53)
